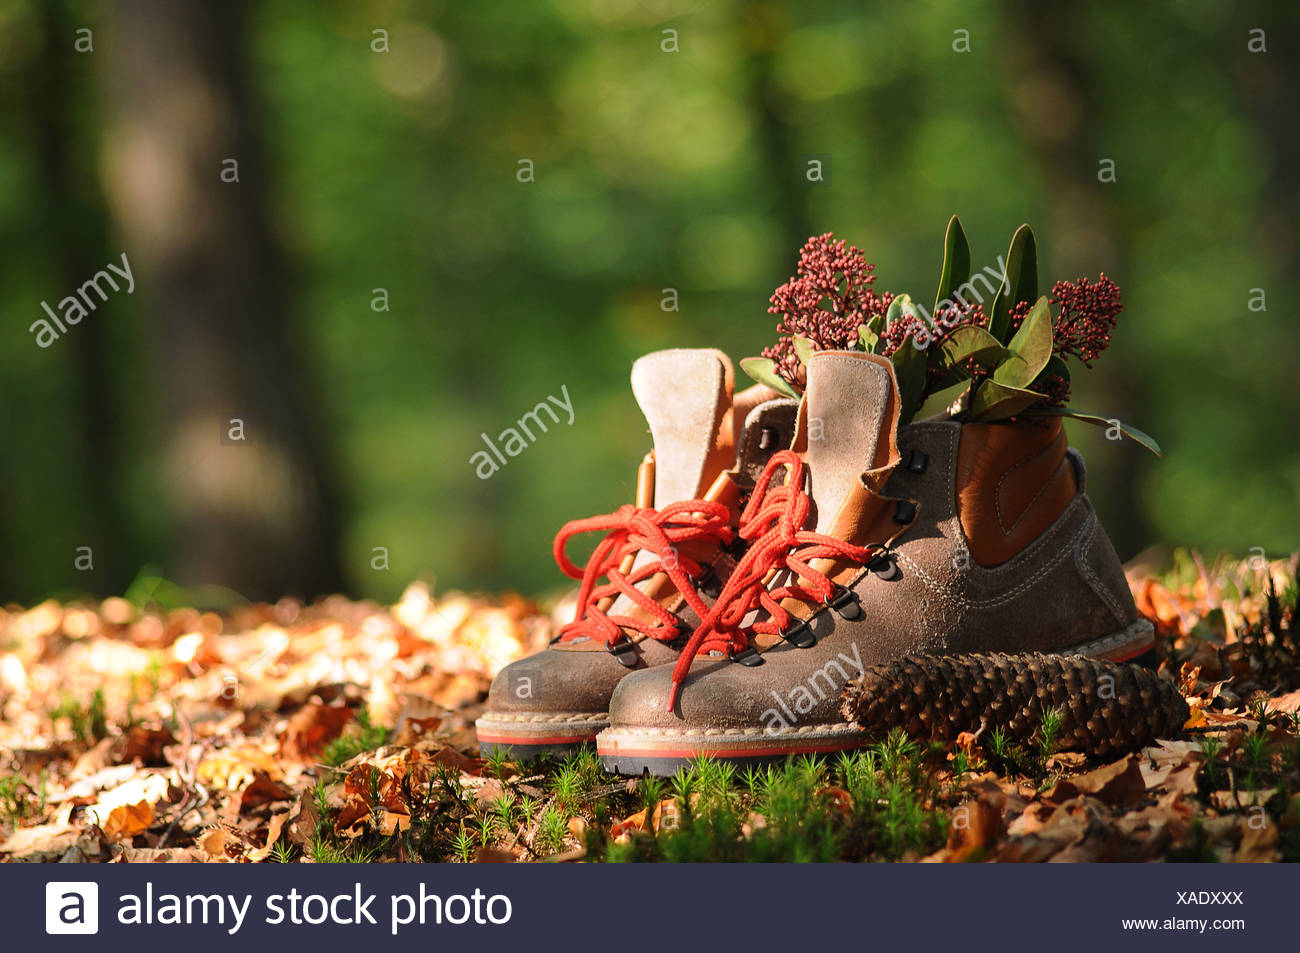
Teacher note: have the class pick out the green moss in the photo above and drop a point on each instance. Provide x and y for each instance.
(362, 735)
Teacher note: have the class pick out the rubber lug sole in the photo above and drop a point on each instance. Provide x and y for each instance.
(1122, 646)
(635, 751)
(523, 736)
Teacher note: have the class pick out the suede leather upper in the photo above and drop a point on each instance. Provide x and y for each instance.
(1061, 588)
(686, 396)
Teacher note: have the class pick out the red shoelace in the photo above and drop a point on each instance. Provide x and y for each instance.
(772, 523)
(629, 530)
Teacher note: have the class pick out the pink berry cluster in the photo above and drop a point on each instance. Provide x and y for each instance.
(826, 301)
(949, 316)
(1085, 316)
(830, 297)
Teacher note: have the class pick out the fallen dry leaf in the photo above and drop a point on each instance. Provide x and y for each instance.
(128, 809)
(166, 855)
(300, 826)
(262, 790)
(1258, 844)
(233, 769)
(41, 843)
(1285, 703)
(1118, 784)
(272, 835)
(493, 855)
(1240, 800)
(975, 827)
(311, 728)
(90, 786)
(143, 745)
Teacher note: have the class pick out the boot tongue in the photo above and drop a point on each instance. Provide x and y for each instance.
(685, 395)
(847, 427)
(768, 427)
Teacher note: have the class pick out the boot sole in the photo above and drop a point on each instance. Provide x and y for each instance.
(524, 735)
(1119, 647)
(662, 751)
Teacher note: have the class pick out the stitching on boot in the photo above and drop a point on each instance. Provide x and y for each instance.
(758, 733)
(997, 493)
(1009, 595)
(950, 484)
(949, 463)
(1082, 549)
(1044, 569)
(550, 717)
(1138, 629)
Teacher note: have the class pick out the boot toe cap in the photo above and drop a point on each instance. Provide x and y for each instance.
(556, 681)
(716, 694)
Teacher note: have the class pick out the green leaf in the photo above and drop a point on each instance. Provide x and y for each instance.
(939, 402)
(1020, 282)
(1126, 429)
(868, 337)
(965, 343)
(956, 261)
(1030, 349)
(910, 369)
(763, 371)
(996, 401)
(803, 348)
(902, 306)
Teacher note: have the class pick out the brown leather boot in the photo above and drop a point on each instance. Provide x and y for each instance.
(871, 543)
(663, 557)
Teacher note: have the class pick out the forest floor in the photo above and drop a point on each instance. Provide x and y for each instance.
(344, 732)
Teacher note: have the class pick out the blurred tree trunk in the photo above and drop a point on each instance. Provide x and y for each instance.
(1051, 88)
(67, 196)
(1269, 87)
(762, 25)
(186, 179)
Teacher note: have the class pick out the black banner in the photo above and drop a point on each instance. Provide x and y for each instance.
(492, 907)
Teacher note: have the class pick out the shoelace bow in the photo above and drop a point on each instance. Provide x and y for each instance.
(629, 530)
(772, 522)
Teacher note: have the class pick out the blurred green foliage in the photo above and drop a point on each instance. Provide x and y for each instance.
(681, 170)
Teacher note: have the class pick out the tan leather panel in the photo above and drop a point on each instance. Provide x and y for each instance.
(686, 396)
(1013, 481)
(863, 515)
(645, 481)
(722, 455)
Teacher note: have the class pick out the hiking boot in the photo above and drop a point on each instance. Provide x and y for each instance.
(870, 543)
(663, 558)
